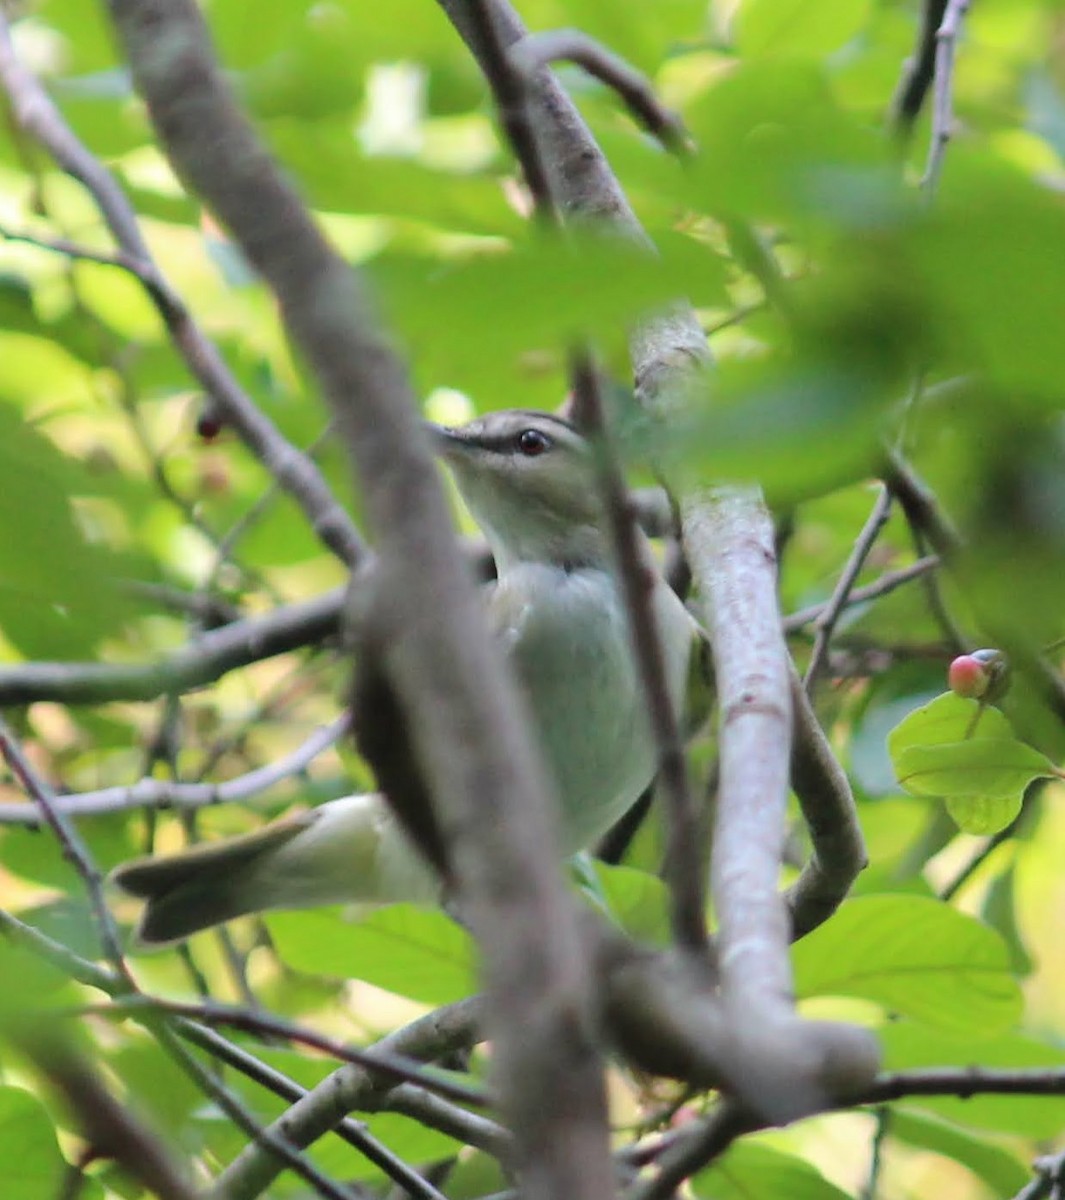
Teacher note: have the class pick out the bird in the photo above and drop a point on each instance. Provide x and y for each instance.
(527, 479)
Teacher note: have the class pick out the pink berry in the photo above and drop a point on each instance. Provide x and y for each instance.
(967, 677)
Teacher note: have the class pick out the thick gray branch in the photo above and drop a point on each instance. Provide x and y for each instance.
(468, 725)
(201, 662)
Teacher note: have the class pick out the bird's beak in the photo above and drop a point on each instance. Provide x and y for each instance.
(444, 440)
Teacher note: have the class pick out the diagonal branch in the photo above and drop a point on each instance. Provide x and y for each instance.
(826, 620)
(795, 1061)
(150, 792)
(685, 838)
(918, 71)
(469, 729)
(35, 112)
(74, 850)
(200, 662)
(538, 50)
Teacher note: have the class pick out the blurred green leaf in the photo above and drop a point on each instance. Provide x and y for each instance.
(418, 953)
(1001, 1170)
(788, 144)
(33, 1167)
(57, 597)
(916, 957)
(638, 901)
(751, 1170)
(906, 1046)
(798, 27)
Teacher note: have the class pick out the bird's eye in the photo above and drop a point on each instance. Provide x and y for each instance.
(532, 442)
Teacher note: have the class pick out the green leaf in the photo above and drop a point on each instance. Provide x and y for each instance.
(959, 749)
(56, 596)
(786, 140)
(949, 718)
(994, 767)
(33, 1166)
(992, 254)
(907, 1046)
(638, 900)
(415, 952)
(915, 956)
(985, 815)
(1002, 1171)
(799, 27)
(752, 1170)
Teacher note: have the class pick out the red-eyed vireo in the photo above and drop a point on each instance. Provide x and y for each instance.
(527, 480)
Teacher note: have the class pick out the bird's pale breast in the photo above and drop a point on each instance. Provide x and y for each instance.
(567, 634)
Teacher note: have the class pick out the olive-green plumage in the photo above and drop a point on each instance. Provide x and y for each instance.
(557, 611)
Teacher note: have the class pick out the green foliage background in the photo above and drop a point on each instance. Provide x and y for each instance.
(843, 302)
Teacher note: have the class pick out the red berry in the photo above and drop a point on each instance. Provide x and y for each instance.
(968, 677)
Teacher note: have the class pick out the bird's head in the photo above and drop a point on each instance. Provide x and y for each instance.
(528, 482)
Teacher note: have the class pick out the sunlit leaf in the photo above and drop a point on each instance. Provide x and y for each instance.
(414, 952)
(754, 1171)
(916, 957)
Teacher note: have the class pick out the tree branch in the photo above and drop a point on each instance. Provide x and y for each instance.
(918, 70)
(348, 1089)
(538, 50)
(686, 832)
(664, 350)
(826, 620)
(74, 850)
(395, 1067)
(110, 1128)
(838, 853)
(887, 582)
(942, 100)
(456, 1022)
(150, 792)
(470, 735)
(35, 113)
(201, 662)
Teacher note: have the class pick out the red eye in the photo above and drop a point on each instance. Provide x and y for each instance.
(532, 442)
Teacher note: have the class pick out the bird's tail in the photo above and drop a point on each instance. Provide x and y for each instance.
(205, 885)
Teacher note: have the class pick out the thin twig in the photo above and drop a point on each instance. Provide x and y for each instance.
(508, 89)
(73, 848)
(350, 1087)
(969, 868)
(637, 578)
(692, 1152)
(887, 582)
(165, 793)
(234, 1108)
(826, 621)
(942, 100)
(111, 1129)
(71, 249)
(876, 1153)
(454, 1021)
(393, 1066)
(538, 50)
(1048, 1181)
(838, 853)
(918, 70)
